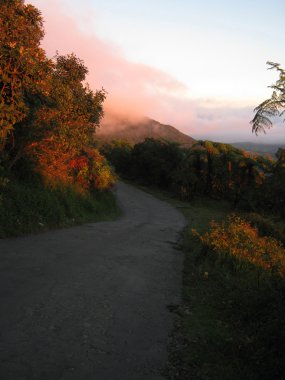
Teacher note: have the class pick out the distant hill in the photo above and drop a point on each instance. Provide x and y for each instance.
(261, 149)
(135, 132)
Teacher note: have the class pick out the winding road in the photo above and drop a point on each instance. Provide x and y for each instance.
(90, 302)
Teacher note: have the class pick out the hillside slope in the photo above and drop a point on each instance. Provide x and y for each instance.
(135, 132)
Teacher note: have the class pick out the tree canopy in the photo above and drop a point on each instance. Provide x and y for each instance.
(48, 114)
(23, 63)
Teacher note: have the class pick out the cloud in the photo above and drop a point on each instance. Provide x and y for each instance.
(135, 89)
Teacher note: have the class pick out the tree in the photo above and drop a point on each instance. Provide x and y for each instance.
(76, 110)
(272, 107)
(23, 64)
(48, 115)
(119, 153)
(66, 124)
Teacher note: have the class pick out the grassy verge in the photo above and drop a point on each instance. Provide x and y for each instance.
(228, 326)
(27, 208)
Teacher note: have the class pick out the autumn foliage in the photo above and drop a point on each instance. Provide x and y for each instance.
(238, 239)
(23, 64)
(48, 115)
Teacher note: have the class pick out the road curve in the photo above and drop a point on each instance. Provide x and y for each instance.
(90, 302)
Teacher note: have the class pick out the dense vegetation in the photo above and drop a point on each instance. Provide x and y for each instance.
(230, 325)
(252, 183)
(48, 117)
(51, 174)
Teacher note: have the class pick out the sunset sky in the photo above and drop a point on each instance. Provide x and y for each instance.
(200, 66)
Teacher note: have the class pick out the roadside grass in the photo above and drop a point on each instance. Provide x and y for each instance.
(29, 208)
(228, 326)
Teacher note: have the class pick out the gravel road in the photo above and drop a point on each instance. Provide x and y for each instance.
(90, 302)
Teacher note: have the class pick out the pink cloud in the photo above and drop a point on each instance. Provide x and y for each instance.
(137, 90)
(133, 89)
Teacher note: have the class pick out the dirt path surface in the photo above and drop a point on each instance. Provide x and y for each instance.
(90, 302)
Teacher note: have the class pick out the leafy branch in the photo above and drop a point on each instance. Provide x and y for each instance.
(272, 107)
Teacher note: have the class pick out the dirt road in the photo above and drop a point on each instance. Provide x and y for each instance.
(90, 302)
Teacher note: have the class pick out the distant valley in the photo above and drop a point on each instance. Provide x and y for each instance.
(261, 149)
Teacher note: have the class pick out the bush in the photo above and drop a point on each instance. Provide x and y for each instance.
(239, 243)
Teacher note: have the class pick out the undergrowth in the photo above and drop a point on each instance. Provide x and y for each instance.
(229, 326)
(28, 208)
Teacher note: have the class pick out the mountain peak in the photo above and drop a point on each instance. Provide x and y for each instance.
(135, 131)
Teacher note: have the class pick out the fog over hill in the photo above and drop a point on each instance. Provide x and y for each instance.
(135, 131)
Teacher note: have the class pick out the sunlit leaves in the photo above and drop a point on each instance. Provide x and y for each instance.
(236, 238)
(47, 112)
(23, 64)
(85, 170)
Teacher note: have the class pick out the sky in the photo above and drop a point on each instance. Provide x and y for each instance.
(197, 65)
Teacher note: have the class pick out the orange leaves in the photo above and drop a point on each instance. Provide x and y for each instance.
(65, 128)
(47, 112)
(79, 163)
(91, 171)
(95, 171)
(51, 160)
(237, 238)
(23, 64)
(85, 171)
